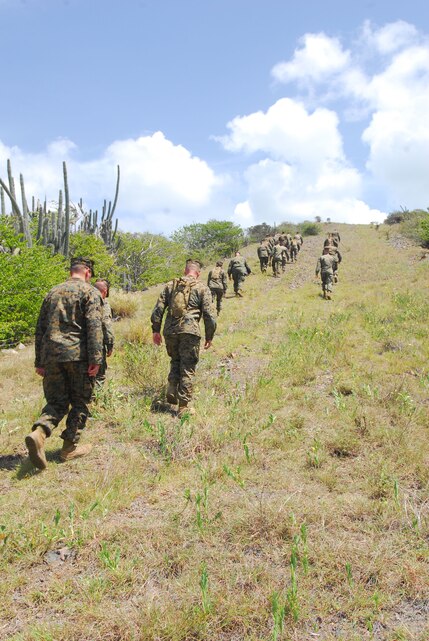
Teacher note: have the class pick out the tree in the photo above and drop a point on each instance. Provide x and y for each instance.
(91, 246)
(258, 232)
(318, 219)
(211, 239)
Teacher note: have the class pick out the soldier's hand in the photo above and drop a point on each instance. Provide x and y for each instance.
(207, 344)
(157, 338)
(40, 371)
(109, 353)
(93, 370)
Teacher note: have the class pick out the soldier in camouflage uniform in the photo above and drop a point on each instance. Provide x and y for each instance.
(263, 255)
(299, 240)
(185, 300)
(69, 352)
(218, 284)
(293, 250)
(334, 251)
(277, 256)
(108, 337)
(238, 269)
(325, 266)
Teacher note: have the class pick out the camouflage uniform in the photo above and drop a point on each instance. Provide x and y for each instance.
(277, 256)
(293, 250)
(218, 284)
(182, 335)
(108, 340)
(69, 337)
(334, 251)
(325, 265)
(299, 240)
(238, 269)
(263, 255)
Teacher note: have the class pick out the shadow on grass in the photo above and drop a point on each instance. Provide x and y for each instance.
(27, 469)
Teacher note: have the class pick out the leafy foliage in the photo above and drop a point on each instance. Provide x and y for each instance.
(258, 232)
(145, 259)
(211, 239)
(26, 277)
(83, 244)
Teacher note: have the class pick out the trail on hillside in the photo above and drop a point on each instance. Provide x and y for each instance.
(295, 504)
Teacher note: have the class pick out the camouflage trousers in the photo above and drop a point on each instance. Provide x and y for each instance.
(184, 353)
(238, 280)
(327, 280)
(68, 390)
(217, 295)
(263, 261)
(100, 379)
(276, 266)
(293, 253)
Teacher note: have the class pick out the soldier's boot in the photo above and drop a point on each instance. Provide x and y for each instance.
(171, 394)
(35, 443)
(72, 450)
(324, 293)
(239, 294)
(335, 278)
(328, 295)
(184, 408)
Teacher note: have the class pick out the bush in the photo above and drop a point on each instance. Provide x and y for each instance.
(210, 240)
(91, 246)
(123, 305)
(396, 217)
(309, 229)
(26, 277)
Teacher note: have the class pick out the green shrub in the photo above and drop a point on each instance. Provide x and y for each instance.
(26, 277)
(309, 229)
(91, 246)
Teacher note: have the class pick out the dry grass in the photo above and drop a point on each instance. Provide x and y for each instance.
(296, 498)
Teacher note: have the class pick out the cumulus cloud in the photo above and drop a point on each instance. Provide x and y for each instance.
(390, 37)
(318, 58)
(162, 185)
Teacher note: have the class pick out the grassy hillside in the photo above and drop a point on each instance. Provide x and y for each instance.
(294, 505)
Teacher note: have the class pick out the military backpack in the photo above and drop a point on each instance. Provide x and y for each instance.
(180, 294)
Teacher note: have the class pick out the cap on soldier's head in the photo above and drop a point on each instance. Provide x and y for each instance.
(84, 262)
(194, 263)
(219, 263)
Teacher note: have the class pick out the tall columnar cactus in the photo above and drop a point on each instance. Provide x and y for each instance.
(54, 227)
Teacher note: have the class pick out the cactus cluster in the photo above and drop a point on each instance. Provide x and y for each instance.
(55, 225)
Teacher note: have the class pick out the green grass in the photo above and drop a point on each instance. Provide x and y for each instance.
(294, 503)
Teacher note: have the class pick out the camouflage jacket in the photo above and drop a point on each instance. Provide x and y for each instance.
(238, 265)
(326, 263)
(263, 250)
(69, 327)
(278, 252)
(199, 304)
(108, 336)
(217, 280)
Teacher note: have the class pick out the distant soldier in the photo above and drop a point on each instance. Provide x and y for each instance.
(185, 300)
(330, 241)
(277, 256)
(263, 255)
(218, 284)
(293, 250)
(334, 251)
(103, 287)
(336, 236)
(299, 240)
(69, 352)
(325, 266)
(286, 255)
(238, 269)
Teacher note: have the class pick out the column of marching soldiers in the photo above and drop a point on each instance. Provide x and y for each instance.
(74, 334)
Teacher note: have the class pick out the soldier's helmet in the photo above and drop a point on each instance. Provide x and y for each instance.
(85, 262)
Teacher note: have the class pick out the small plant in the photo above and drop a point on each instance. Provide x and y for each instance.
(204, 586)
(108, 558)
(292, 593)
(304, 560)
(235, 476)
(349, 575)
(314, 454)
(278, 611)
(246, 447)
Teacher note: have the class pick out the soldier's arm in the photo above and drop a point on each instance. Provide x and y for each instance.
(318, 266)
(109, 338)
(158, 311)
(40, 331)
(208, 278)
(94, 328)
(339, 257)
(224, 282)
(249, 271)
(208, 314)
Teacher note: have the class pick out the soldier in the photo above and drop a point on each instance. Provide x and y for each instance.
(334, 251)
(186, 300)
(299, 240)
(325, 265)
(336, 236)
(277, 256)
(69, 352)
(217, 284)
(238, 269)
(103, 287)
(293, 250)
(330, 240)
(263, 255)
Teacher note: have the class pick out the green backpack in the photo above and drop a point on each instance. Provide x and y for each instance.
(180, 294)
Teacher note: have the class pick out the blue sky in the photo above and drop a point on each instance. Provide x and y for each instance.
(236, 109)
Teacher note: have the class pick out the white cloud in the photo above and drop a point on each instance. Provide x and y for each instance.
(318, 58)
(162, 185)
(391, 37)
